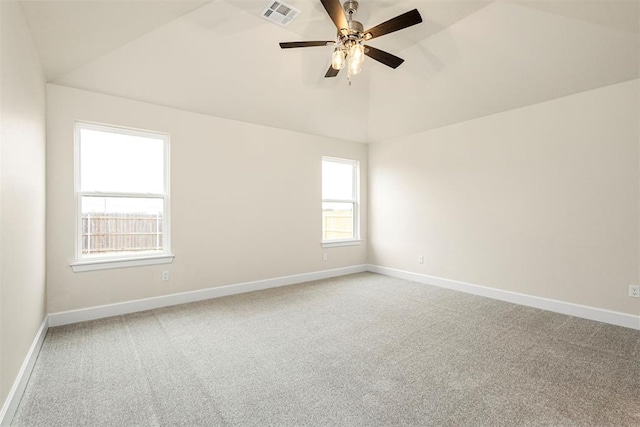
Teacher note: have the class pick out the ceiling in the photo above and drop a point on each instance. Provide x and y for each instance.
(469, 58)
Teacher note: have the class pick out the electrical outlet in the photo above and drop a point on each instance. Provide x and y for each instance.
(420, 259)
(165, 276)
(325, 257)
(634, 291)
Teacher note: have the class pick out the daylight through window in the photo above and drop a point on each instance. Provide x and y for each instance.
(339, 200)
(122, 191)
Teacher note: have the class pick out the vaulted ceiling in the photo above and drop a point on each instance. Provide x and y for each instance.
(469, 58)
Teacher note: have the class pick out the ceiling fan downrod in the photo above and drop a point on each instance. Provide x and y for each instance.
(355, 27)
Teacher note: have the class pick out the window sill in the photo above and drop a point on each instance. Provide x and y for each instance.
(337, 243)
(105, 264)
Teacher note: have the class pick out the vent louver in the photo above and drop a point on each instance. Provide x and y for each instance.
(280, 13)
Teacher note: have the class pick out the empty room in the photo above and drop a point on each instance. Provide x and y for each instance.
(319, 212)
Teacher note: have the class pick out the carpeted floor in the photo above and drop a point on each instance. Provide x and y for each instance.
(361, 350)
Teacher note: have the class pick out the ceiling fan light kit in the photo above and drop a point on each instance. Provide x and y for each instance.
(350, 49)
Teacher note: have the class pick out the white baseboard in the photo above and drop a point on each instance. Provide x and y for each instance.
(15, 394)
(583, 311)
(99, 312)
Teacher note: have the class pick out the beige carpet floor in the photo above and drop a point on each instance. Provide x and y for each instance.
(361, 350)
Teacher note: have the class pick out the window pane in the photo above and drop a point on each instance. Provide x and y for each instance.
(114, 162)
(337, 221)
(337, 180)
(121, 225)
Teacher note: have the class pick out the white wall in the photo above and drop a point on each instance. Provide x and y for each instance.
(231, 183)
(22, 194)
(541, 200)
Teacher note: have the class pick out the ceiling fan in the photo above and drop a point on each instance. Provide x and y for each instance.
(349, 47)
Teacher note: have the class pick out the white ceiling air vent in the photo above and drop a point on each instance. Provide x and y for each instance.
(280, 13)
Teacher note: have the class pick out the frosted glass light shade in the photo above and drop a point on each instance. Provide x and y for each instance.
(337, 59)
(358, 53)
(355, 66)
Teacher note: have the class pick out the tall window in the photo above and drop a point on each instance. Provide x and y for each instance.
(340, 209)
(122, 190)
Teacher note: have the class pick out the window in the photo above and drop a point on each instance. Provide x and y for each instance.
(340, 181)
(122, 192)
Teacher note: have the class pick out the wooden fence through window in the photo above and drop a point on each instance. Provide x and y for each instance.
(337, 224)
(121, 232)
(137, 232)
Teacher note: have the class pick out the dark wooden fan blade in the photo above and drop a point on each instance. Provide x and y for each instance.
(289, 45)
(336, 13)
(331, 72)
(394, 24)
(383, 57)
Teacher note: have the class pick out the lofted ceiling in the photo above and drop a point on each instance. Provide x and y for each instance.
(469, 58)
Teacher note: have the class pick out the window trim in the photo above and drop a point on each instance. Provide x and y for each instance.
(355, 240)
(119, 260)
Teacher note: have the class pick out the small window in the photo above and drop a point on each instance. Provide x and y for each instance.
(340, 210)
(122, 191)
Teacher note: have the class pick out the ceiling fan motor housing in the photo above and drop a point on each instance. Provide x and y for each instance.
(355, 27)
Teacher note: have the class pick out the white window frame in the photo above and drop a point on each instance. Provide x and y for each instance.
(119, 260)
(355, 240)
